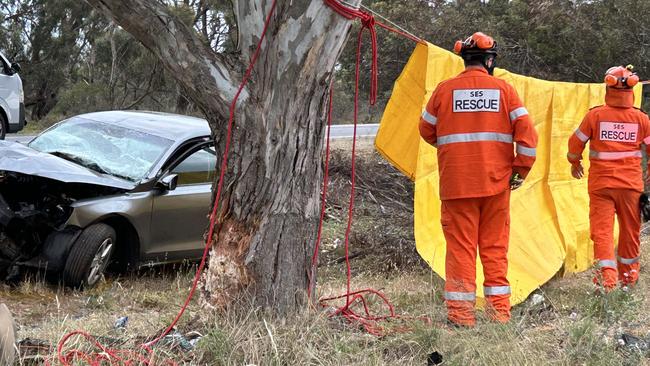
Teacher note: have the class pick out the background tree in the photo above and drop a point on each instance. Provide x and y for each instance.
(47, 38)
(563, 40)
(72, 71)
(76, 60)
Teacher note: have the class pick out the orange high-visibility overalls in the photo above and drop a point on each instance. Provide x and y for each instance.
(615, 132)
(473, 120)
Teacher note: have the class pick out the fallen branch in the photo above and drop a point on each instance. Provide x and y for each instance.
(351, 256)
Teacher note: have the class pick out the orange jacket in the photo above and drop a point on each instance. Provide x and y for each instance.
(473, 120)
(615, 132)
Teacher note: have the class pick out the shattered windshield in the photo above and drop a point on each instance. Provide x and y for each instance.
(103, 147)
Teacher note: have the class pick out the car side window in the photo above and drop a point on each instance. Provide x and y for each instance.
(5, 69)
(198, 168)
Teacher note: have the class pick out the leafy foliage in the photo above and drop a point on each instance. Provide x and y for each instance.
(75, 60)
(567, 40)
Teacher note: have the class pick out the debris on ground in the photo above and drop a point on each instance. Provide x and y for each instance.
(194, 337)
(121, 322)
(536, 299)
(185, 342)
(434, 358)
(633, 343)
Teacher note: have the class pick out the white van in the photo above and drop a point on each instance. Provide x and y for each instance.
(12, 98)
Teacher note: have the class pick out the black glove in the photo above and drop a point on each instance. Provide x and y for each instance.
(516, 181)
(644, 205)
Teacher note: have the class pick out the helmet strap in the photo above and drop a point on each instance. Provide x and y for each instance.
(482, 59)
(486, 59)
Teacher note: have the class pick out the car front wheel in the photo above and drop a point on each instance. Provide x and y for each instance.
(89, 256)
(3, 126)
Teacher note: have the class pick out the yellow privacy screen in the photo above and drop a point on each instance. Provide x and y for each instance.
(549, 225)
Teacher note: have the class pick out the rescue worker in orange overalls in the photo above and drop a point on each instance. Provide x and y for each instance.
(473, 119)
(615, 132)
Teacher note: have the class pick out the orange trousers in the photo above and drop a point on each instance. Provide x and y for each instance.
(622, 266)
(469, 224)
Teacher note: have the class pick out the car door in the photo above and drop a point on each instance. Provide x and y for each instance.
(11, 95)
(179, 216)
(6, 84)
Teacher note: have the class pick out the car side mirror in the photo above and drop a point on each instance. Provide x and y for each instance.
(168, 182)
(15, 67)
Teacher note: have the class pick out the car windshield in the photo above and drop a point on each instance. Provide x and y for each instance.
(102, 147)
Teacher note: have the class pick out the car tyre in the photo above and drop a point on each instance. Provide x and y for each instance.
(89, 256)
(3, 126)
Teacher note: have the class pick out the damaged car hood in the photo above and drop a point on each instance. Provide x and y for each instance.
(16, 157)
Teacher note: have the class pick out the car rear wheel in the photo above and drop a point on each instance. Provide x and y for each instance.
(89, 256)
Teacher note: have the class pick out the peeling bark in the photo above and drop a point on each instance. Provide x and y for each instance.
(270, 205)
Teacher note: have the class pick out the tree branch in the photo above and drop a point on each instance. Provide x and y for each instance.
(199, 70)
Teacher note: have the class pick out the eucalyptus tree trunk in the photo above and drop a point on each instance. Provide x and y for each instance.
(265, 236)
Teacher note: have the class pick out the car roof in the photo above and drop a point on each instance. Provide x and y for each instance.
(171, 126)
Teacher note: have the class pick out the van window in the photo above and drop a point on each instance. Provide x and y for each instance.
(5, 68)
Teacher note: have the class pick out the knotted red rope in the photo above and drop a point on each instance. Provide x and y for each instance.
(368, 22)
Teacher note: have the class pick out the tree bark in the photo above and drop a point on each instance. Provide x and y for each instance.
(268, 218)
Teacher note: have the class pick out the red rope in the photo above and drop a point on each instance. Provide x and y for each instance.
(366, 18)
(356, 298)
(127, 357)
(368, 22)
(112, 355)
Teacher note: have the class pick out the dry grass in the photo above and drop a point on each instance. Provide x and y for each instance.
(571, 327)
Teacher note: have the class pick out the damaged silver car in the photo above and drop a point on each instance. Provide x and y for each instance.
(118, 188)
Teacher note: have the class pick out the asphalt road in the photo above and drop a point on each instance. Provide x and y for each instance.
(346, 131)
(337, 132)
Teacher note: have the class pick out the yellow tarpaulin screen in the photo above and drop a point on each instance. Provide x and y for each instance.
(549, 214)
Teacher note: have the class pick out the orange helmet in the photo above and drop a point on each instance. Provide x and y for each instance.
(620, 77)
(478, 42)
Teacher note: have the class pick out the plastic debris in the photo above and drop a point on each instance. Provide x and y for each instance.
(177, 339)
(194, 337)
(632, 342)
(121, 322)
(194, 341)
(434, 358)
(536, 299)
